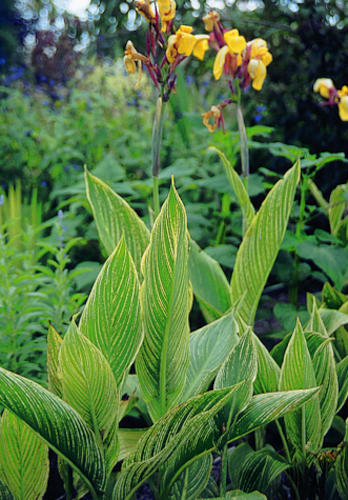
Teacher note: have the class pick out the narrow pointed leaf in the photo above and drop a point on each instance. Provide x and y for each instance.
(58, 424)
(115, 217)
(209, 347)
(241, 365)
(268, 371)
(241, 495)
(337, 207)
(54, 342)
(193, 479)
(264, 408)
(209, 283)
(261, 243)
(325, 374)
(111, 317)
(303, 426)
(165, 300)
(23, 459)
(89, 386)
(238, 187)
(185, 432)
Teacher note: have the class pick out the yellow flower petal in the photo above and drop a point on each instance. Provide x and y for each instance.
(343, 92)
(210, 19)
(323, 85)
(130, 64)
(171, 51)
(185, 29)
(343, 108)
(267, 58)
(257, 72)
(235, 43)
(219, 62)
(201, 46)
(186, 43)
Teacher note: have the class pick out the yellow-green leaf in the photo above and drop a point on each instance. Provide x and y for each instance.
(111, 317)
(114, 217)
(54, 342)
(165, 300)
(23, 459)
(261, 243)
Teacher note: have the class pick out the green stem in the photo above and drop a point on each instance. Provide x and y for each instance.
(284, 441)
(157, 130)
(244, 153)
(223, 479)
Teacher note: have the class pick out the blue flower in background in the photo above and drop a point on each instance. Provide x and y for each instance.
(43, 183)
(2, 199)
(189, 79)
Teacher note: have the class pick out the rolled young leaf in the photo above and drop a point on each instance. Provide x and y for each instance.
(304, 428)
(165, 301)
(111, 317)
(23, 459)
(89, 386)
(58, 424)
(261, 243)
(114, 217)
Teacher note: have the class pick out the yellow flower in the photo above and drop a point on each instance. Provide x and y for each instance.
(215, 113)
(183, 42)
(235, 44)
(167, 10)
(343, 108)
(210, 19)
(323, 86)
(259, 50)
(257, 72)
(201, 46)
(343, 92)
(131, 56)
(144, 8)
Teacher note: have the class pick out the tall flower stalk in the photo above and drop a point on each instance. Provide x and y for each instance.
(166, 48)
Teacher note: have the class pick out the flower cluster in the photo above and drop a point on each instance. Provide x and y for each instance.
(165, 46)
(244, 63)
(326, 88)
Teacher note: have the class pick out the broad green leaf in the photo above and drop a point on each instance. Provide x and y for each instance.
(23, 459)
(238, 188)
(5, 493)
(264, 408)
(58, 424)
(209, 283)
(111, 317)
(185, 432)
(128, 441)
(325, 374)
(165, 300)
(114, 217)
(268, 371)
(337, 207)
(193, 480)
(209, 347)
(257, 469)
(332, 319)
(211, 490)
(261, 243)
(341, 468)
(342, 376)
(240, 366)
(235, 458)
(89, 386)
(303, 426)
(54, 342)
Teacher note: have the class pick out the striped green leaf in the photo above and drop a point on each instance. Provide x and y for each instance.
(58, 424)
(240, 366)
(337, 208)
(89, 386)
(128, 441)
(54, 342)
(165, 300)
(341, 468)
(193, 479)
(268, 371)
(264, 408)
(114, 217)
(209, 283)
(261, 243)
(304, 427)
(209, 347)
(238, 188)
(173, 442)
(111, 317)
(23, 459)
(241, 495)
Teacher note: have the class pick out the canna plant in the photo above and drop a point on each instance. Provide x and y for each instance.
(138, 312)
